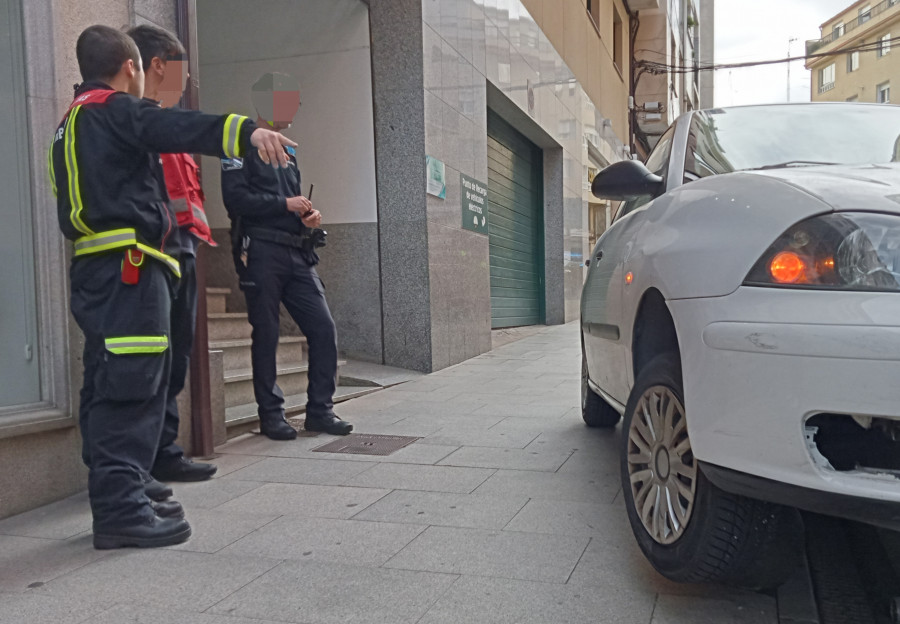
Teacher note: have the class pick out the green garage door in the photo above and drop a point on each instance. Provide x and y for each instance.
(515, 226)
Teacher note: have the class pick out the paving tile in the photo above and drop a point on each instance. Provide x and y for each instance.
(592, 461)
(27, 560)
(60, 520)
(32, 608)
(570, 518)
(452, 421)
(443, 509)
(209, 494)
(503, 601)
(260, 445)
(187, 580)
(425, 478)
(327, 539)
(145, 614)
(228, 463)
(550, 486)
(306, 592)
(539, 412)
(480, 437)
(505, 554)
(311, 501)
(509, 459)
(296, 470)
(214, 529)
(753, 609)
(415, 453)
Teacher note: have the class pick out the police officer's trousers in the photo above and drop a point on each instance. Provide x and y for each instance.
(183, 323)
(126, 373)
(278, 274)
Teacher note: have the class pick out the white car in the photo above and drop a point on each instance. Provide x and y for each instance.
(742, 316)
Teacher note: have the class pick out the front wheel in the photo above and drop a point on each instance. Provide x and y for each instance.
(690, 530)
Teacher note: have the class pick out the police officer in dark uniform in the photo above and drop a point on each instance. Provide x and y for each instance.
(111, 199)
(274, 232)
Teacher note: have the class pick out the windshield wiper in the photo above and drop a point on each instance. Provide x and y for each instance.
(792, 163)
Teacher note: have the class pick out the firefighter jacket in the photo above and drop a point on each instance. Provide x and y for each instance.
(257, 193)
(186, 195)
(106, 173)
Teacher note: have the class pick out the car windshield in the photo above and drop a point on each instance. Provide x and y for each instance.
(757, 137)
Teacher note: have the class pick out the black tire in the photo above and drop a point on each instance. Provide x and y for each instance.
(594, 410)
(726, 538)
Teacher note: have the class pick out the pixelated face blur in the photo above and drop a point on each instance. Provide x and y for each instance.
(277, 99)
(174, 80)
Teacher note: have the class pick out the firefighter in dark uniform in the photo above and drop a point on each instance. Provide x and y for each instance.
(274, 233)
(165, 75)
(111, 200)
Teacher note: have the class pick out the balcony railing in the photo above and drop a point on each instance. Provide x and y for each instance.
(826, 87)
(814, 45)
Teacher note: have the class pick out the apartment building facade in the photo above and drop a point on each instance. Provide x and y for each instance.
(853, 60)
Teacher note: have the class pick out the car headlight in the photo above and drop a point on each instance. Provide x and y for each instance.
(843, 251)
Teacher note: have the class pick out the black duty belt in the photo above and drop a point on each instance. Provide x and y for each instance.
(274, 236)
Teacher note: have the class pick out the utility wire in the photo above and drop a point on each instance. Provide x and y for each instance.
(655, 67)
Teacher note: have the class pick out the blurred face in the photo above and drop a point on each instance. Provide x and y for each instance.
(174, 80)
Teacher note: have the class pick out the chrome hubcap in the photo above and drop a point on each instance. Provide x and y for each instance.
(661, 466)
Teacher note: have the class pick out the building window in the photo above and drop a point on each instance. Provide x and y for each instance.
(885, 45)
(593, 9)
(617, 40)
(838, 31)
(883, 93)
(865, 14)
(852, 62)
(826, 78)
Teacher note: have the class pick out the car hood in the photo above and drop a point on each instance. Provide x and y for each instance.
(846, 187)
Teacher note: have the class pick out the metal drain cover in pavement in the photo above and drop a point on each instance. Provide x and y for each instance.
(367, 444)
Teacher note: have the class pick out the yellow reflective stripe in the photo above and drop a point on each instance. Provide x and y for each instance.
(125, 238)
(237, 137)
(50, 170)
(137, 344)
(72, 174)
(227, 138)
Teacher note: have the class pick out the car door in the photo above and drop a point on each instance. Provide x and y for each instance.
(601, 300)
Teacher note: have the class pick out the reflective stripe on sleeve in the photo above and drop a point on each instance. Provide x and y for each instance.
(231, 135)
(179, 205)
(131, 345)
(72, 175)
(50, 170)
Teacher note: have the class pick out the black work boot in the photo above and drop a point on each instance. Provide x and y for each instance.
(276, 428)
(183, 469)
(154, 532)
(168, 509)
(328, 423)
(155, 490)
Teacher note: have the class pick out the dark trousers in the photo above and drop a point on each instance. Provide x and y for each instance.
(277, 274)
(183, 322)
(124, 394)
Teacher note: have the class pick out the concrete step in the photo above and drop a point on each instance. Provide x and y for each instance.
(215, 300)
(228, 326)
(238, 417)
(291, 350)
(292, 380)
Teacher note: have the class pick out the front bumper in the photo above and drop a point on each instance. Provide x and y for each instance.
(760, 362)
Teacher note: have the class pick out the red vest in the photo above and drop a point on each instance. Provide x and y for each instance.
(186, 195)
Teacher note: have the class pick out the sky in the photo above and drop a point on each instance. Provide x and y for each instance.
(757, 30)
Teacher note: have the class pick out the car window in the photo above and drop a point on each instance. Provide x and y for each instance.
(658, 163)
(755, 137)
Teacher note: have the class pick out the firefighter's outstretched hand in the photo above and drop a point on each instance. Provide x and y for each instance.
(271, 146)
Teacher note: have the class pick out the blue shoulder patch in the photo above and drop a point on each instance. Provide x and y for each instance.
(230, 164)
(291, 150)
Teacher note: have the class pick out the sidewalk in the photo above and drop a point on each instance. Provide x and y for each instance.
(507, 510)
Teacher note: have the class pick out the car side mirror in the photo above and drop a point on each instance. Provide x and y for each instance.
(625, 180)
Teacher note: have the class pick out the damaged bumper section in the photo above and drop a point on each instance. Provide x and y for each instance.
(855, 444)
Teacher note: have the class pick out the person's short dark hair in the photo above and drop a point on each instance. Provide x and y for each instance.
(101, 50)
(157, 42)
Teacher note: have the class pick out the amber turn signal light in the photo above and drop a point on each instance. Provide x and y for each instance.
(787, 268)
